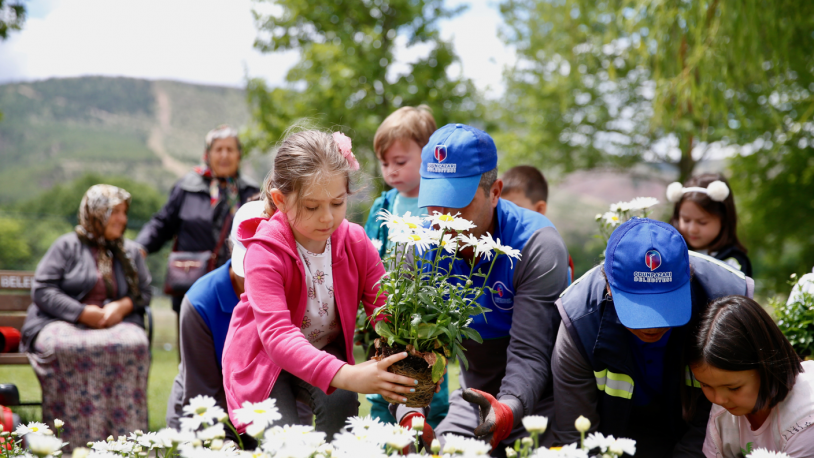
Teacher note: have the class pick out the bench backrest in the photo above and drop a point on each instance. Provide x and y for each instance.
(15, 297)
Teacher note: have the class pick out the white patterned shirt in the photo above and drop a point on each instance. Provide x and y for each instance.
(320, 324)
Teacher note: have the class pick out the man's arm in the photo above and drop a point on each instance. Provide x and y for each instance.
(164, 224)
(539, 278)
(575, 391)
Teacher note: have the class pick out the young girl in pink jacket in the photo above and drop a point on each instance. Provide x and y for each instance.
(307, 268)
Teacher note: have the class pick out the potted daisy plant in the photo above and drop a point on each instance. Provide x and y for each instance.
(428, 309)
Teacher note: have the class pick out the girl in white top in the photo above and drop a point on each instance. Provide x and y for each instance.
(763, 396)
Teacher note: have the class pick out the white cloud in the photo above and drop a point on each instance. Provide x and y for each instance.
(201, 41)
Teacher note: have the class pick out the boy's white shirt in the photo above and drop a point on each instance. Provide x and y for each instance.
(729, 435)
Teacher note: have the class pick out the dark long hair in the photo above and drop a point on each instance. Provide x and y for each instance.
(736, 334)
(724, 210)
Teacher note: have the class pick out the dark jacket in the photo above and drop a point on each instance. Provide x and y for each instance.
(600, 345)
(373, 227)
(65, 275)
(188, 215)
(736, 258)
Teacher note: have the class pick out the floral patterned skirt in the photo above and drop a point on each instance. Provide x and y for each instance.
(95, 380)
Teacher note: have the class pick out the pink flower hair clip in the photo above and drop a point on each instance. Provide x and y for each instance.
(344, 144)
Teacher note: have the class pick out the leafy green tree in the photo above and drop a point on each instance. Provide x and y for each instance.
(347, 76)
(616, 82)
(776, 209)
(12, 16)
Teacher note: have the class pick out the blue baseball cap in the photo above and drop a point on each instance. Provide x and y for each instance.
(648, 269)
(451, 165)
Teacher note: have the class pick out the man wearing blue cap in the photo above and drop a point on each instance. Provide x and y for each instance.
(618, 356)
(509, 374)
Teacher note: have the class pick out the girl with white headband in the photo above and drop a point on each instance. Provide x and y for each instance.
(705, 215)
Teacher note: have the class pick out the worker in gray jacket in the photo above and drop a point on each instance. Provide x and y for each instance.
(618, 359)
(509, 374)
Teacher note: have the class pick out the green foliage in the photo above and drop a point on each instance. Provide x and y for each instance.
(12, 16)
(13, 250)
(612, 83)
(796, 318)
(775, 191)
(346, 78)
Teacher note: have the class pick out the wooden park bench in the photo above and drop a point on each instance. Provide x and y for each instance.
(15, 297)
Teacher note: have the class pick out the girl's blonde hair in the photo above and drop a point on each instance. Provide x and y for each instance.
(304, 159)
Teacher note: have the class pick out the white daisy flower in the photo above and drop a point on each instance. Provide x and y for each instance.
(620, 207)
(213, 432)
(611, 219)
(397, 223)
(32, 427)
(458, 445)
(535, 423)
(643, 203)
(763, 453)
(202, 410)
(260, 414)
(450, 222)
(398, 437)
(42, 445)
(569, 451)
(419, 238)
(377, 244)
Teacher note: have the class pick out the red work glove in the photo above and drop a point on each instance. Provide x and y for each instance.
(427, 435)
(496, 418)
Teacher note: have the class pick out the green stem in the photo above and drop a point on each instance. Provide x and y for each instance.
(582, 440)
(239, 440)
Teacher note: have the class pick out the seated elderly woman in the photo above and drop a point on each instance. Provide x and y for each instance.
(84, 333)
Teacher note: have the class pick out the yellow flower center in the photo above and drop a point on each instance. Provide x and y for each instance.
(446, 218)
(259, 411)
(35, 429)
(411, 225)
(415, 238)
(443, 243)
(615, 218)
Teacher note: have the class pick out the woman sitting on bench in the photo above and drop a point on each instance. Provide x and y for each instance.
(84, 333)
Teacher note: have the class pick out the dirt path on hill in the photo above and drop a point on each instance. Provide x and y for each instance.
(156, 140)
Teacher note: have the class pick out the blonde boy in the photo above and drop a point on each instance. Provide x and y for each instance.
(398, 144)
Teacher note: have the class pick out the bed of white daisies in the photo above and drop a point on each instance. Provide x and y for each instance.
(203, 435)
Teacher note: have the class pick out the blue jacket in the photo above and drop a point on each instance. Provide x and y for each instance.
(589, 316)
(373, 227)
(214, 298)
(514, 227)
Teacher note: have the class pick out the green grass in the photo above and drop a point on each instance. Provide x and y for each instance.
(163, 370)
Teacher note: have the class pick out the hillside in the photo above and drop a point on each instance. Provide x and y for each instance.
(151, 131)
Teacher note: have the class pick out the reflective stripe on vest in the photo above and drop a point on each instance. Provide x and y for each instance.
(689, 380)
(613, 384)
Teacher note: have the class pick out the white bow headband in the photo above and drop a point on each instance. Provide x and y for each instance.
(717, 191)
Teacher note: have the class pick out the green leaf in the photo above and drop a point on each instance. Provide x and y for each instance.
(438, 367)
(426, 331)
(473, 334)
(383, 329)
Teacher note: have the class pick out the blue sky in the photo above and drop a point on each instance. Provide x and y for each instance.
(201, 41)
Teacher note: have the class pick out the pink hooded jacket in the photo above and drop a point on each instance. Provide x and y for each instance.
(263, 338)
